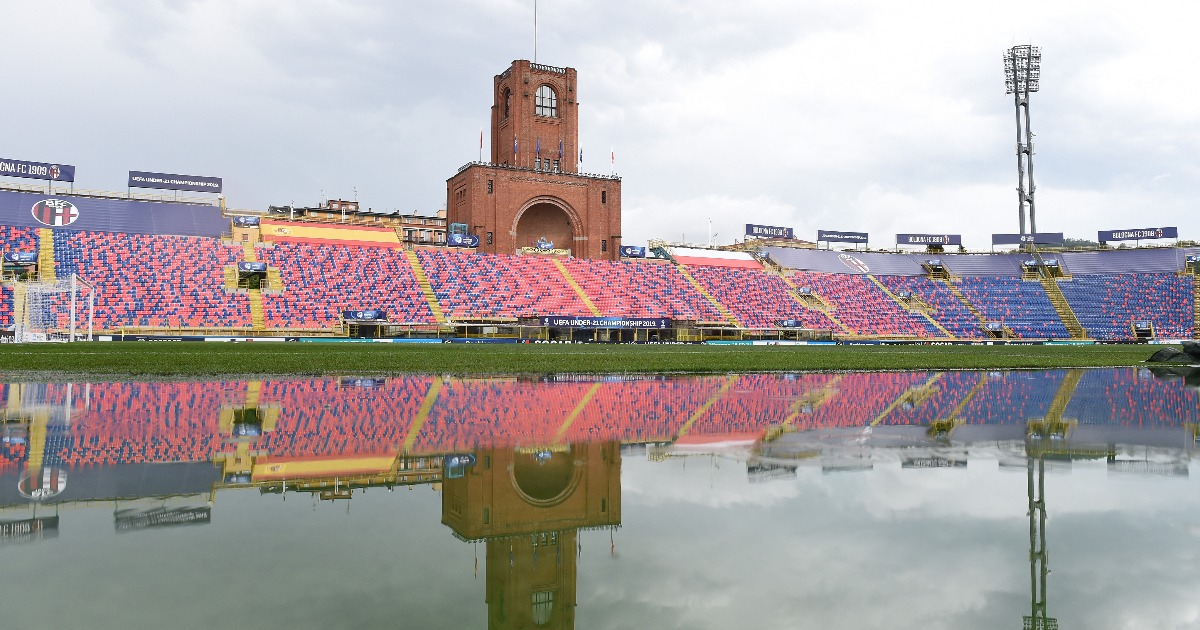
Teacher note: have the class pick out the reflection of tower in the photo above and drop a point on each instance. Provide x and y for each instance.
(1038, 561)
(528, 505)
(1048, 436)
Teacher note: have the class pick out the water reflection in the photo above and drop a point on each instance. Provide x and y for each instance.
(529, 469)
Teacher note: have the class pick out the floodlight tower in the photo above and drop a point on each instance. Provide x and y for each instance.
(1022, 71)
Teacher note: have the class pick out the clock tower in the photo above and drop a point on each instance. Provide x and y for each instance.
(531, 197)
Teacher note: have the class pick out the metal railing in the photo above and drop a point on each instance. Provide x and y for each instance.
(523, 169)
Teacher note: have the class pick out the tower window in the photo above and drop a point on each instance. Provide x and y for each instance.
(507, 101)
(603, 196)
(546, 103)
(489, 186)
(603, 244)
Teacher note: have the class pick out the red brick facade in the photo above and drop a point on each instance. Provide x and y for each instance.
(531, 189)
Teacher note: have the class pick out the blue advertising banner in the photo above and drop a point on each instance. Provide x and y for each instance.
(633, 251)
(462, 240)
(568, 321)
(168, 181)
(768, 231)
(70, 212)
(1105, 236)
(929, 239)
(1041, 238)
(1193, 258)
(24, 258)
(252, 267)
(832, 236)
(245, 221)
(367, 315)
(37, 170)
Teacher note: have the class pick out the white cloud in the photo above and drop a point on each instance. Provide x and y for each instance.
(872, 115)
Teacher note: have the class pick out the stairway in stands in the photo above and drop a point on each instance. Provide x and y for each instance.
(904, 305)
(257, 319)
(587, 301)
(46, 255)
(949, 282)
(1059, 301)
(814, 302)
(1196, 307)
(702, 291)
(426, 288)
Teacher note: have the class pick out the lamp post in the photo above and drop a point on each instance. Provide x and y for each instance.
(1022, 72)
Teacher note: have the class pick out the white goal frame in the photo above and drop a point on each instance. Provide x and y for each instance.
(51, 311)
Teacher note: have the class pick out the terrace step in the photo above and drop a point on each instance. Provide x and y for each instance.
(426, 288)
(231, 277)
(910, 307)
(587, 301)
(257, 319)
(46, 255)
(1059, 301)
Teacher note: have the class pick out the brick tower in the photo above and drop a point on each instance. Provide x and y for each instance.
(532, 191)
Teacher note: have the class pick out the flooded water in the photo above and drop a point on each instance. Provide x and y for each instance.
(819, 500)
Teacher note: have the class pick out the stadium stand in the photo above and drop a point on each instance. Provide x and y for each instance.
(758, 299)
(946, 308)
(862, 307)
(322, 280)
(640, 289)
(1108, 305)
(498, 286)
(153, 280)
(1020, 305)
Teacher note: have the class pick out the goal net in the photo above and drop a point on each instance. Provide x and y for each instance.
(52, 311)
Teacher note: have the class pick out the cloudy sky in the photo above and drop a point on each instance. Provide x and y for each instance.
(877, 116)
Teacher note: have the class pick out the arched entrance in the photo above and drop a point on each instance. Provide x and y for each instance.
(546, 219)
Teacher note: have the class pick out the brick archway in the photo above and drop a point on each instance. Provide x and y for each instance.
(550, 218)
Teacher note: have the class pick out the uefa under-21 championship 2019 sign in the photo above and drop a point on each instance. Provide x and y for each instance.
(37, 170)
(168, 181)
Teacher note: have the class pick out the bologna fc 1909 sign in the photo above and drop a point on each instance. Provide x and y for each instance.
(55, 212)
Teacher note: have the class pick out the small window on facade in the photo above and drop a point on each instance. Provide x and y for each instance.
(546, 102)
(603, 244)
(489, 238)
(487, 516)
(489, 186)
(603, 196)
(555, 168)
(537, 164)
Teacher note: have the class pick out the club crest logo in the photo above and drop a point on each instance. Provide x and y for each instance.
(55, 212)
(43, 484)
(54, 171)
(854, 263)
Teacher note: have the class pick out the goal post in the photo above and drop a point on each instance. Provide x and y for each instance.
(53, 311)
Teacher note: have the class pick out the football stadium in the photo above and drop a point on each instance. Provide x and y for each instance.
(528, 249)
